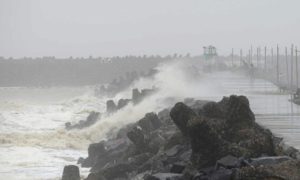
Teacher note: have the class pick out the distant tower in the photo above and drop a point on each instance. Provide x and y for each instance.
(209, 52)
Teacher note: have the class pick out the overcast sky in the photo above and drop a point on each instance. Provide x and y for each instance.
(120, 27)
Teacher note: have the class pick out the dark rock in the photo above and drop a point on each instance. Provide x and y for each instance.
(117, 171)
(71, 172)
(181, 114)
(91, 119)
(138, 138)
(150, 122)
(122, 103)
(80, 160)
(173, 151)
(176, 139)
(268, 160)
(140, 159)
(207, 146)
(95, 176)
(177, 168)
(164, 176)
(164, 116)
(212, 174)
(228, 162)
(212, 110)
(238, 112)
(94, 151)
(136, 96)
(68, 125)
(111, 106)
(222, 174)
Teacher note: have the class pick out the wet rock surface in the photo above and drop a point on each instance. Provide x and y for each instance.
(90, 120)
(199, 141)
(71, 172)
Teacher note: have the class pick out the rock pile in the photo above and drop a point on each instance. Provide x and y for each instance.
(202, 141)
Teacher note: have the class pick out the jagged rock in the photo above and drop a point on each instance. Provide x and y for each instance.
(124, 130)
(212, 110)
(263, 161)
(228, 162)
(149, 123)
(177, 168)
(122, 103)
(206, 144)
(181, 114)
(173, 151)
(176, 139)
(137, 136)
(136, 96)
(94, 176)
(164, 116)
(164, 176)
(111, 106)
(90, 120)
(71, 172)
(112, 172)
(140, 159)
(68, 125)
(238, 112)
(94, 151)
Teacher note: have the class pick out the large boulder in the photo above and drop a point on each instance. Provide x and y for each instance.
(90, 120)
(150, 122)
(122, 103)
(95, 150)
(206, 144)
(71, 172)
(111, 106)
(180, 115)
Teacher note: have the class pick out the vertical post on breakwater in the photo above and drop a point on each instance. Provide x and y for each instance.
(272, 56)
(292, 68)
(296, 55)
(251, 53)
(265, 58)
(232, 57)
(277, 65)
(249, 60)
(241, 57)
(257, 58)
(287, 67)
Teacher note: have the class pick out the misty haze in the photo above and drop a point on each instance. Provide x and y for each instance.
(149, 90)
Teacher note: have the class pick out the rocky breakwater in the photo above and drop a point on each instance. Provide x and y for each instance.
(202, 141)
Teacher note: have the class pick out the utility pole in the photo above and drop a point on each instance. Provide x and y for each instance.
(272, 56)
(265, 58)
(287, 66)
(296, 54)
(292, 69)
(257, 58)
(251, 52)
(277, 64)
(241, 57)
(249, 59)
(232, 57)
